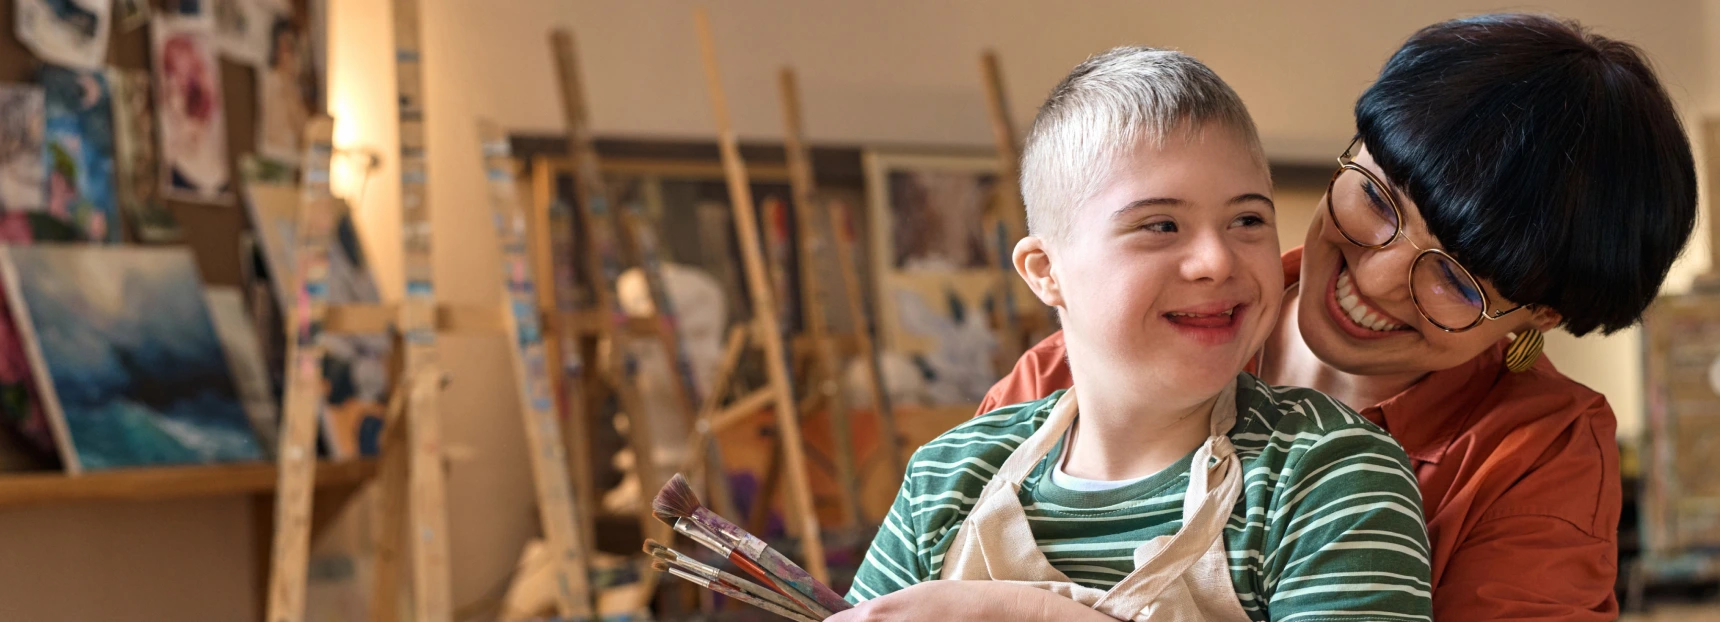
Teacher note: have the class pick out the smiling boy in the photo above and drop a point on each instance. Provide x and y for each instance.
(1177, 486)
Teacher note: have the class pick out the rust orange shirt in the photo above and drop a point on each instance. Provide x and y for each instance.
(1518, 472)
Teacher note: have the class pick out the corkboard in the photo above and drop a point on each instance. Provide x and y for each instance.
(212, 231)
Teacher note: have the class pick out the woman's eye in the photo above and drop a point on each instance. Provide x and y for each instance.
(1161, 226)
(1378, 202)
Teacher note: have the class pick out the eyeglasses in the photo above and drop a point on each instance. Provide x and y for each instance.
(1367, 214)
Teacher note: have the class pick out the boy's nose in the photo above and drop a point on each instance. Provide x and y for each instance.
(1209, 257)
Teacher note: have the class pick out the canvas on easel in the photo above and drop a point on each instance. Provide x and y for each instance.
(355, 367)
(937, 285)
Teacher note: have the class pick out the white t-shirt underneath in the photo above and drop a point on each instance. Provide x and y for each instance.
(1066, 481)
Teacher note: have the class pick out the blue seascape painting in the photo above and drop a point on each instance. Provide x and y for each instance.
(126, 356)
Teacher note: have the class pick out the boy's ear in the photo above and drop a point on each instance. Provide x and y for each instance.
(1033, 263)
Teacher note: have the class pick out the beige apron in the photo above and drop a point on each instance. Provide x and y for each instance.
(1179, 577)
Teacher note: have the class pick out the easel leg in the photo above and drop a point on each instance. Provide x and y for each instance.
(391, 521)
(758, 518)
(427, 498)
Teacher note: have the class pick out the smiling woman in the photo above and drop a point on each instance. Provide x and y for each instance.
(1511, 174)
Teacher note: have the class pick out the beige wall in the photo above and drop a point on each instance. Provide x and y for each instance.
(889, 71)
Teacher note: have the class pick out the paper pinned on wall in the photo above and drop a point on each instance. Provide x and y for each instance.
(80, 140)
(21, 169)
(243, 29)
(189, 107)
(286, 91)
(136, 164)
(73, 33)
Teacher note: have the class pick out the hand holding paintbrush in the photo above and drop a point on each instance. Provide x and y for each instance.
(677, 506)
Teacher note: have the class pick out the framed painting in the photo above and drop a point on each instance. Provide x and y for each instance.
(1681, 471)
(126, 357)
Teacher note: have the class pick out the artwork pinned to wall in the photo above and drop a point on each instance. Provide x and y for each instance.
(242, 29)
(132, 14)
(245, 358)
(355, 367)
(136, 167)
(286, 91)
(126, 357)
(80, 140)
(22, 181)
(189, 108)
(72, 33)
(938, 288)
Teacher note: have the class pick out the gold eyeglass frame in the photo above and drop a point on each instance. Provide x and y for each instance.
(1346, 162)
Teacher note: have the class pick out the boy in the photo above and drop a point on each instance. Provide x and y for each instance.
(1177, 487)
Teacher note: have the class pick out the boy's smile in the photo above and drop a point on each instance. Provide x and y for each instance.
(1212, 323)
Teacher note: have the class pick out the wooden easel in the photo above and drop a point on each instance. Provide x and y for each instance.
(826, 377)
(557, 514)
(1020, 330)
(297, 451)
(308, 316)
(766, 329)
(603, 241)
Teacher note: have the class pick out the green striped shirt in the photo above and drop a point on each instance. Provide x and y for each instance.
(1328, 526)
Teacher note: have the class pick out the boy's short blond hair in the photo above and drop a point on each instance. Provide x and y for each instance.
(1103, 110)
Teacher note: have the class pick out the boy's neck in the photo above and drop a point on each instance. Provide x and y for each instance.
(1119, 435)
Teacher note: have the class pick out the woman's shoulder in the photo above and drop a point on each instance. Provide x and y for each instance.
(979, 446)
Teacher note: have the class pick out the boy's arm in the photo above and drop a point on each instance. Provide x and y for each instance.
(893, 562)
(1348, 541)
(979, 601)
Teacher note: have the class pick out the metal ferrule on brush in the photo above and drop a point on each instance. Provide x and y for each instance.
(694, 530)
(690, 578)
(729, 532)
(698, 566)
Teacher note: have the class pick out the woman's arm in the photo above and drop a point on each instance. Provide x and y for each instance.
(981, 601)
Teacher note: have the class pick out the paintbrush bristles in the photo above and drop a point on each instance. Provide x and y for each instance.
(659, 565)
(675, 500)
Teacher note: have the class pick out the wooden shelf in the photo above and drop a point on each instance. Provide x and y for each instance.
(152, 484)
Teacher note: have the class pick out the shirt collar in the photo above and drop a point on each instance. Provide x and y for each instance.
(1429, 415)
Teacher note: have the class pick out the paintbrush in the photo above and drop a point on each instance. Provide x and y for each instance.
(686, 562)
(697, 533)
(676, 504)
(721, 587)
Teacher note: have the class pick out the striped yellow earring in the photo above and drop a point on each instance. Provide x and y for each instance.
(1524, 350)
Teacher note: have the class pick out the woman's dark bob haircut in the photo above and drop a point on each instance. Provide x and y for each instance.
(1547, 159)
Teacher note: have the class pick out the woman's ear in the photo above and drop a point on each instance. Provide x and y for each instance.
(1033, 262)
(1545, 318)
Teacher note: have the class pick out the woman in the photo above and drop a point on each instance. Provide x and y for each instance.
(1511, 174)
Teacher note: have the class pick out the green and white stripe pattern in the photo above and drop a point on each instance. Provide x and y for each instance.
(1329, 526)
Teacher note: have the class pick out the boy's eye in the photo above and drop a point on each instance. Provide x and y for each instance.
(1250, 220)
(1161, 226)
